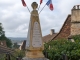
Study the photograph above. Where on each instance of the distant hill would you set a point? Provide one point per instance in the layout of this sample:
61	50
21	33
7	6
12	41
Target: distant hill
17	39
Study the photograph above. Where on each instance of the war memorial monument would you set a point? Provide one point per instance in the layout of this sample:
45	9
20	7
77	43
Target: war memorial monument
34	43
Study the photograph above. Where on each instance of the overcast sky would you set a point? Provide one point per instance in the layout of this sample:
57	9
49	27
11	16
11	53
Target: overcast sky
15	18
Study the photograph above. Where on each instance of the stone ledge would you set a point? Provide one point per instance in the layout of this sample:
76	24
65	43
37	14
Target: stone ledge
25	58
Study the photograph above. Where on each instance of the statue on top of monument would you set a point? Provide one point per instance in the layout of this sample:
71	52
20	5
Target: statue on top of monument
34	5
34	13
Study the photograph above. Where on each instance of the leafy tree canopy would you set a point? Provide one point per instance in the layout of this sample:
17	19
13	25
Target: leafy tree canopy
3	37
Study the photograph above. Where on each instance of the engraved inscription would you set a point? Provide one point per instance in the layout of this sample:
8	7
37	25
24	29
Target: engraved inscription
36	40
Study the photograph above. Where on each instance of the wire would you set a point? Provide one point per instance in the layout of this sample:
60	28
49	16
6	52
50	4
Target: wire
42	8
28	9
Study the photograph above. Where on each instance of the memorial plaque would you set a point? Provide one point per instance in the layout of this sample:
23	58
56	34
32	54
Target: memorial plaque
36	39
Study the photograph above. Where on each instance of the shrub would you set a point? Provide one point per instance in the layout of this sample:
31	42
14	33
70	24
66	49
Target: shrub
57	48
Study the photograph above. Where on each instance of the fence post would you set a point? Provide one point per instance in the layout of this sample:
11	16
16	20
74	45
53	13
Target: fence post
65	57
7	56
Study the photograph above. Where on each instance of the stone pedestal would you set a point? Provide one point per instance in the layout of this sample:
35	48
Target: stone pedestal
34	54
25	58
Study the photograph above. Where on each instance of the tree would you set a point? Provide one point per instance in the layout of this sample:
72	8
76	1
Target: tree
3	37
1	29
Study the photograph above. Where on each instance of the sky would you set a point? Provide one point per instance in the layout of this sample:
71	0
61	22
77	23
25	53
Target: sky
15	18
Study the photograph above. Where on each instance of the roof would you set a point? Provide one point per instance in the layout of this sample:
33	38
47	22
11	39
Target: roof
65	30
48	37
4	49
63	33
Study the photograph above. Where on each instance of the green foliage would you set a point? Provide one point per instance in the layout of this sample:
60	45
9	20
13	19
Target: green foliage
8	41
4	38
1	29
18	53
76	38
15	46
2	57
56	49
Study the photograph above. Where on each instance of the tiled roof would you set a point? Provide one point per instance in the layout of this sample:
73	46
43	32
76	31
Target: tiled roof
48	37
63	33
4	49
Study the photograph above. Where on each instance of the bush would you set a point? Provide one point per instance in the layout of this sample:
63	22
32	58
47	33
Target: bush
57	48
18	53
8	41
13	56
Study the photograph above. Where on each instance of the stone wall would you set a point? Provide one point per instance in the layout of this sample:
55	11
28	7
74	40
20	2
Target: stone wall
75	20
75	14
22	47
75	28
3	43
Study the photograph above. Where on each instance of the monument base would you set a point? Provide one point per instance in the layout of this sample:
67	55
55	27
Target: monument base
25	58
34	54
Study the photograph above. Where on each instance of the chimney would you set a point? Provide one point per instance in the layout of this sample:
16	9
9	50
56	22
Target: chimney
75	20
52	32
76	7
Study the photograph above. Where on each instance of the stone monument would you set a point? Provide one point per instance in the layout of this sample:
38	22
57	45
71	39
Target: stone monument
34	43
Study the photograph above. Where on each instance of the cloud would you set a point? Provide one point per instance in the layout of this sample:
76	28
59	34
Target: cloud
15	18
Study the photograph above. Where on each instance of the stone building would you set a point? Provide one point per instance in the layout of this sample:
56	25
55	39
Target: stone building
70	27
4	48
3	43
23	45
